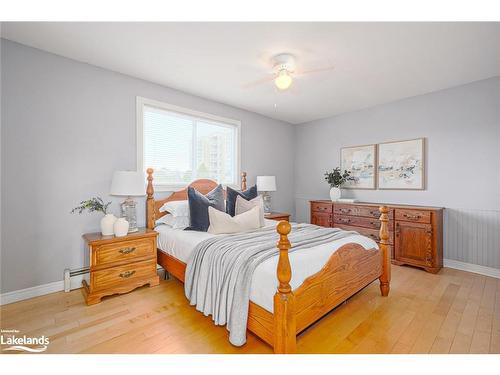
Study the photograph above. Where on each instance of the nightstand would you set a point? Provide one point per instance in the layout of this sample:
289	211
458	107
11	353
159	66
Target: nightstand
119	264
278	216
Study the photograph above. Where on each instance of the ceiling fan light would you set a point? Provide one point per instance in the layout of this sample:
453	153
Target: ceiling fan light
283	80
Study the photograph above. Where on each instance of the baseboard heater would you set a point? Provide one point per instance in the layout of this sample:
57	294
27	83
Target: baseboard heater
68	274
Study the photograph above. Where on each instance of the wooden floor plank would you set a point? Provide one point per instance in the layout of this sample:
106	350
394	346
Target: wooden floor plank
453	311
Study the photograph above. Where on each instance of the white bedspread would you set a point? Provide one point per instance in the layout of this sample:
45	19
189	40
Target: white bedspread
305	263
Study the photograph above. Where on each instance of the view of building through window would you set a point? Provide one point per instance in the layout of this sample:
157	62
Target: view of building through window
182	148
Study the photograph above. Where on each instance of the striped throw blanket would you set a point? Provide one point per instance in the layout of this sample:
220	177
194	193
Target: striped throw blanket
220	269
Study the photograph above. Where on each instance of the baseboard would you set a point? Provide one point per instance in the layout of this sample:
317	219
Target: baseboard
76	282
40	290
474	268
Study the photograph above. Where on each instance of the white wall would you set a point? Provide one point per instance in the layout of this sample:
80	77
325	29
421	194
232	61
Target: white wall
66	126
462	128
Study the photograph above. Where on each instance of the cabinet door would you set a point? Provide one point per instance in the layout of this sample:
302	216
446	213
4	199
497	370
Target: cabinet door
321	219
413	244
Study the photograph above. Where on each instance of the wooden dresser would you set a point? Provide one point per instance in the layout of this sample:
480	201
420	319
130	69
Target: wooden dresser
415	232
119	264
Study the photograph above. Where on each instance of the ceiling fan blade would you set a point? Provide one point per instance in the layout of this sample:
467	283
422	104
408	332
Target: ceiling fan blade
318	70
258	82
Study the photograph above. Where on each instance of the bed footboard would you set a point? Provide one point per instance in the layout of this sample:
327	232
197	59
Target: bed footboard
349	269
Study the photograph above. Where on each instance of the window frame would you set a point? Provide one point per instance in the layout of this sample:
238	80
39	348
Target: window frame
219	120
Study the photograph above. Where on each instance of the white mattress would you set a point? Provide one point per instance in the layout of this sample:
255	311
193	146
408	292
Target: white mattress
305	262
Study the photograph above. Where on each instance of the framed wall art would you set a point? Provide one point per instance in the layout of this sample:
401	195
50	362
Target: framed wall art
401	165
360	161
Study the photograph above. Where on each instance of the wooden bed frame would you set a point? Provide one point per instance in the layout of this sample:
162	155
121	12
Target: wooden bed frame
348	270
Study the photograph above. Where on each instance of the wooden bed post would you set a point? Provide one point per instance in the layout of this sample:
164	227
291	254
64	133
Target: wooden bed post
150	202
385	278
243	180
284	301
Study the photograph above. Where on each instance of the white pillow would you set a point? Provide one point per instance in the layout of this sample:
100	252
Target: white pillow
242	205
176	222
222	223
176	208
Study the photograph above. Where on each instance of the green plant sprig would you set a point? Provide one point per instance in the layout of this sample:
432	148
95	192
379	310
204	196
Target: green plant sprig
336	179
92	204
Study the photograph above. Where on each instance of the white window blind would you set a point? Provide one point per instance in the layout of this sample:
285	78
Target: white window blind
182	147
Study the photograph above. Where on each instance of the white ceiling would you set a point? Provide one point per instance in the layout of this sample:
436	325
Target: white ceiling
374	62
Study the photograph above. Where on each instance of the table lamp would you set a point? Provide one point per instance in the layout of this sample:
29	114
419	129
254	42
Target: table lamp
128	184
266	184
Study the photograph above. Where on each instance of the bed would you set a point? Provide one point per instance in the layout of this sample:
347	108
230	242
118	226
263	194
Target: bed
277	315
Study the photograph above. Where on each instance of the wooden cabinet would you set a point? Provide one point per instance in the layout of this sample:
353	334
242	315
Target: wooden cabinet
119	264
413	242
419	238
415	233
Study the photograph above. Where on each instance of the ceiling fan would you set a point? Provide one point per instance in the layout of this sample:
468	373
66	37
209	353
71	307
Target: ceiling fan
284	71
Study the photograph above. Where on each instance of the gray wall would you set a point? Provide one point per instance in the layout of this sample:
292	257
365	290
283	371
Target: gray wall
462	127
66	127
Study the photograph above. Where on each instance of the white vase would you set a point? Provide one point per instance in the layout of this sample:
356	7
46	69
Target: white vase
335	193
107	223
121	227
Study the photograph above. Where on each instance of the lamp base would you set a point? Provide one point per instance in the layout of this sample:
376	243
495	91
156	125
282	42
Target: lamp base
128	212
266	197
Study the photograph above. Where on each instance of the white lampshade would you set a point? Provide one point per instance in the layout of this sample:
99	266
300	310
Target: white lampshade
266	183
128	183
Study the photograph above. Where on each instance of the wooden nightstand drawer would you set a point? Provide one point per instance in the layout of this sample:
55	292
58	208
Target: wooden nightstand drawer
122	275
126	251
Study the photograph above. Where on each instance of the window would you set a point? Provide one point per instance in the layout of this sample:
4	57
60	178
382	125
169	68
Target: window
182	145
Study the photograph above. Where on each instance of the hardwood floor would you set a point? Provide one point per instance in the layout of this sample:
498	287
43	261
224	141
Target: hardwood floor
451	312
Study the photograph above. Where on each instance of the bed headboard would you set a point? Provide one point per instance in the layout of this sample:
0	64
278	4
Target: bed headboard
153	206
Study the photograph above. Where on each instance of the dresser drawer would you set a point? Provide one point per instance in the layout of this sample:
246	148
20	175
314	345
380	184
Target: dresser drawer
370	233
364	211
118	252
416	216
121	275
321	219
321	207
365	222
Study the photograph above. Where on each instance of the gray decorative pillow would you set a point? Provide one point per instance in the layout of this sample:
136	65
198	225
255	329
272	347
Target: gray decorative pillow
198	207
248	194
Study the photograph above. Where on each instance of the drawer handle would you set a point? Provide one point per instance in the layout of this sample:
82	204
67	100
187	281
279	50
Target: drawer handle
344	220
345	210
412	217
375	213
127	250
127	274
